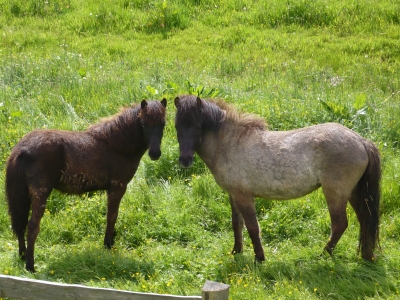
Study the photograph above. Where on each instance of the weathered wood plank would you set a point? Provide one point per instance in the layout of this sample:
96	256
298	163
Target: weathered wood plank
215	291
25	288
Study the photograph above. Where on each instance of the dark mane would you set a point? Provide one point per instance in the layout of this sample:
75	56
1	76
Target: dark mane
123	126
122	116
115	127
213	116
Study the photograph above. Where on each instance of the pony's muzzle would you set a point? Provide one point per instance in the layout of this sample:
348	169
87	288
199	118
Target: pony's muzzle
154	154
186	161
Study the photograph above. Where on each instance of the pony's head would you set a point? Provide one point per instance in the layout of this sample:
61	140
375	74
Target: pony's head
152	118
194	116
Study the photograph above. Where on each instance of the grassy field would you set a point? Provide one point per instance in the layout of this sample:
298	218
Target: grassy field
66	63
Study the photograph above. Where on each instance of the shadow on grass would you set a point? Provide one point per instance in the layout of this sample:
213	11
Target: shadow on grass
80	266
327	278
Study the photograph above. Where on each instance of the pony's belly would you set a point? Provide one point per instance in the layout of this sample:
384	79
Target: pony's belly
278	192
270	188
77	190
79	183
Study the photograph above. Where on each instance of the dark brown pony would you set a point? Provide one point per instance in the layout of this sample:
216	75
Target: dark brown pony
104	157
248	161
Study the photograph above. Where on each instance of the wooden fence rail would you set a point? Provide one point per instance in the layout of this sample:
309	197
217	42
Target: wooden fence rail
25	288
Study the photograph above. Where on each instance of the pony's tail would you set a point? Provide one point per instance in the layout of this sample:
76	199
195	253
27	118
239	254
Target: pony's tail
369	198
17	195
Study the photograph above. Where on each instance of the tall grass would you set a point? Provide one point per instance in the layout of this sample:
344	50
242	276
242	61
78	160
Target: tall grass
64	64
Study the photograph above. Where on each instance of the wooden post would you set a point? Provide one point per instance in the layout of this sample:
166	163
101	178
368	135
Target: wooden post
215	291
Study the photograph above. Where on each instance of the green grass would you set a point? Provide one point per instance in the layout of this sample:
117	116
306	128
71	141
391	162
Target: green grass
64	64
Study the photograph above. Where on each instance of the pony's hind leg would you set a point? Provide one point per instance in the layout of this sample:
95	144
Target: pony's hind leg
19	223
246	206
38	197
114	196
21	228
237	225
21	245
339	222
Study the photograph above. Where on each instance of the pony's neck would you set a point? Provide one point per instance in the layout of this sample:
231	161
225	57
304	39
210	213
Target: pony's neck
123	132
231	129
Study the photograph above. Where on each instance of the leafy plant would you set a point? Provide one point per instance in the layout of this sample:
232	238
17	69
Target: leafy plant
202	91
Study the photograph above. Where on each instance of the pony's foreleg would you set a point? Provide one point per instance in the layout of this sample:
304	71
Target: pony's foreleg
339	223
246	206
237	225
39	197
114	196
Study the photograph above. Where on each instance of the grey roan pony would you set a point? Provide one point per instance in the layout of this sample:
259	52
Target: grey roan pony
104	157
248	161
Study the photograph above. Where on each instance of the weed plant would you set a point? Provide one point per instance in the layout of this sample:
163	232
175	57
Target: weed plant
65	63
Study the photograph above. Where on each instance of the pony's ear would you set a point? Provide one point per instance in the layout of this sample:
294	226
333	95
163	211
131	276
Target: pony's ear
164	102
177	100
143	104
199	104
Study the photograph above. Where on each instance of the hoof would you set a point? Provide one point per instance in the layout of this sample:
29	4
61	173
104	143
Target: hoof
21	253
234	251
328	251
370	259
325	254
